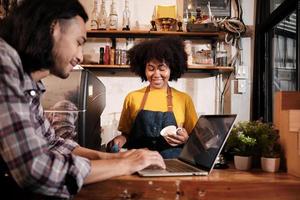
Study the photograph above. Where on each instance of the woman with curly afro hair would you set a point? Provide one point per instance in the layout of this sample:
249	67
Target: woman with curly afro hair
150	109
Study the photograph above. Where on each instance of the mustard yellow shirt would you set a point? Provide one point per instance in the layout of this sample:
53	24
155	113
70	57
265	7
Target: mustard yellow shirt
183	107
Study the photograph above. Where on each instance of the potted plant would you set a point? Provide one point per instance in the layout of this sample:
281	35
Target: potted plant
241	145
265	147
270	150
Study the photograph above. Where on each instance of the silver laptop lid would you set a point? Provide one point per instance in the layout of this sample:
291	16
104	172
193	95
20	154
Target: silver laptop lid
207	140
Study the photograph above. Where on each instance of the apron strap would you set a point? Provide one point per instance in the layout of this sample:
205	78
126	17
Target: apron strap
169	99
145	98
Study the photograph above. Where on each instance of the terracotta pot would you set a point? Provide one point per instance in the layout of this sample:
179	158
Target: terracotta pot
242	162
270	164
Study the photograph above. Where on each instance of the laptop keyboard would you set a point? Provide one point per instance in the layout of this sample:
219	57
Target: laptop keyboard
175	166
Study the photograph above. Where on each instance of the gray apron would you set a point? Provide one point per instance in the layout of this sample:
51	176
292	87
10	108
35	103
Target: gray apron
145	132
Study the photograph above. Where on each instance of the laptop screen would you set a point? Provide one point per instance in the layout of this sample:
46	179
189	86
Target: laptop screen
206	140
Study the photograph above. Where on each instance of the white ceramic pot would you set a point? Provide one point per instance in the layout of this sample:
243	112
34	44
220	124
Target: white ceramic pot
270	164
242	162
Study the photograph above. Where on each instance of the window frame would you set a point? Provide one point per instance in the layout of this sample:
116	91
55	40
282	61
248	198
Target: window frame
262	94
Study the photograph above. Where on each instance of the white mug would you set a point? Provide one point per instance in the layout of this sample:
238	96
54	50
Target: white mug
169	130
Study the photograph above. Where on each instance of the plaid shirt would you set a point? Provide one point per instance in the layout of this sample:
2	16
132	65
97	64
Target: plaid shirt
63	117
32	154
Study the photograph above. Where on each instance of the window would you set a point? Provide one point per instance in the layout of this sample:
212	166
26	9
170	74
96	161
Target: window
284	57
274	4
276	57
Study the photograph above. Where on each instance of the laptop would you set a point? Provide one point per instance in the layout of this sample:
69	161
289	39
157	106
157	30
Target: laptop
200	152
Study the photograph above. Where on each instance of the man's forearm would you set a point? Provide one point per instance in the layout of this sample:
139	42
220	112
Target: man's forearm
105	169
90	154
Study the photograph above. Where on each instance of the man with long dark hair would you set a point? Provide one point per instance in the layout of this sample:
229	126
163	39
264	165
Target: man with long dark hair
37	39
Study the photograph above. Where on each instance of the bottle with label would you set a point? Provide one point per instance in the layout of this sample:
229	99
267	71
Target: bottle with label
95	15
102	20
106	55
101	58
185	20
112	56
113	17
123	57
118	56
126	17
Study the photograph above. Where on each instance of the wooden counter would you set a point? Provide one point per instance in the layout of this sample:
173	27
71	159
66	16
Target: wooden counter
220	184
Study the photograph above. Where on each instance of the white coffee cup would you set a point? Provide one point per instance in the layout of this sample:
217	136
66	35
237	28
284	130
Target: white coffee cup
169	130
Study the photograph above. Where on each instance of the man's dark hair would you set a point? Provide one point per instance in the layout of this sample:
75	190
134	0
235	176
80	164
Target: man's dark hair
170	50
28	29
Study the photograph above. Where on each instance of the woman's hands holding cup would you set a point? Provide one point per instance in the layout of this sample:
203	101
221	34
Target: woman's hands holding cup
174	136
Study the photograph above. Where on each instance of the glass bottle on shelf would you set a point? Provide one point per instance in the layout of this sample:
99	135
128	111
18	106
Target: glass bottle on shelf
113	17
179	24
102	17
185	20
107	55
112	56
95	15
217	55
153	23
126	17
101	58
221	55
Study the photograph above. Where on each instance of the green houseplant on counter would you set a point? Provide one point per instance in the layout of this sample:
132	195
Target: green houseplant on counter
270	150
256	139
241	144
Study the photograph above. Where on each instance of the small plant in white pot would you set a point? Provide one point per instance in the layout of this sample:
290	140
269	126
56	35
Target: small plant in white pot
241	146
270	150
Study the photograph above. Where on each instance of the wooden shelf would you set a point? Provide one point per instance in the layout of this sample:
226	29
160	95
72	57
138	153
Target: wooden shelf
150	34
113	34
191	68
98	66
